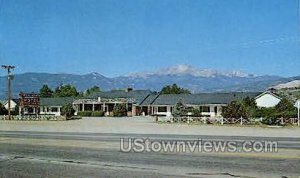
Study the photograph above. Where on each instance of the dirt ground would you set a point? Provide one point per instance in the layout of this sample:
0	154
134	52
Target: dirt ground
143	125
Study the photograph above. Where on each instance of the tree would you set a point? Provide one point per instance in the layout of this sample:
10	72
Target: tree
265	112
180	109
250	106
91	90
68	110
16	111
65	91
235	110
3	111
120	110
174	89
249	102
285	109
284	105
45	91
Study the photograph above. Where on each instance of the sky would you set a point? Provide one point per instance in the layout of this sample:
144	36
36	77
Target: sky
117	37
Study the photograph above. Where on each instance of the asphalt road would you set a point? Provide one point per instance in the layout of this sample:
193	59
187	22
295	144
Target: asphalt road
41	154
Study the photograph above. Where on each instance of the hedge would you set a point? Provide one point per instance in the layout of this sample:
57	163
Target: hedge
85	113
97	114
91	114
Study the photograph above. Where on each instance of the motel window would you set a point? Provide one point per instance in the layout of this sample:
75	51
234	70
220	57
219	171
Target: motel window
162	109
204	109
129	107
216	109
55	109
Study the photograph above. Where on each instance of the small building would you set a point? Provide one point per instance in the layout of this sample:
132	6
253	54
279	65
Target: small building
13	104
33	104
267	99
53	106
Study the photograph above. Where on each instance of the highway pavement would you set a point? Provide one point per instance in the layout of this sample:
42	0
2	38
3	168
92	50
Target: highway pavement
58	154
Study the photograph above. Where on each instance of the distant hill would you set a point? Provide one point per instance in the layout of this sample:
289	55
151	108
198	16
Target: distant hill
288	85
197	80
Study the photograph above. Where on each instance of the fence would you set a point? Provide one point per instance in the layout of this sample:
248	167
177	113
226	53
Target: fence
35	118
222	121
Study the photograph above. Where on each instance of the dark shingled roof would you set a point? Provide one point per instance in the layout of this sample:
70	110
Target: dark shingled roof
149	99
17	101
137	95
202	98
56	101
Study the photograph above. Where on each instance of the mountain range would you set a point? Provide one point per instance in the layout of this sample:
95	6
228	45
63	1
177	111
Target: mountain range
195	79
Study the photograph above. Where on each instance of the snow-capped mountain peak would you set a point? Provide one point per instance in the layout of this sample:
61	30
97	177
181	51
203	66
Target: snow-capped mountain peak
183	69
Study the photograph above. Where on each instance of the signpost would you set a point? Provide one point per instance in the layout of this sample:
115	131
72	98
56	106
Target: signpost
298	108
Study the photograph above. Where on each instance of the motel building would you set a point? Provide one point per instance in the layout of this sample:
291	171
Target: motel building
33	104
141	102
106	101
210	104
104	104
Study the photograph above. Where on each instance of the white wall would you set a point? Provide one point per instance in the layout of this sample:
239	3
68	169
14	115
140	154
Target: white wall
211	113
48	111
167	113
267	100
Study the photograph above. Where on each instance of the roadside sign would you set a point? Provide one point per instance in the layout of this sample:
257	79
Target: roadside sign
29	99
297	104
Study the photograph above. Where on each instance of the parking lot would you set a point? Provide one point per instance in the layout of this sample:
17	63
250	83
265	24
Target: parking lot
144	125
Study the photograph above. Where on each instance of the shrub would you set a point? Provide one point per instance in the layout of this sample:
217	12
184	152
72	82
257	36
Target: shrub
284	105
3	111
16	111
235	110
74	118
271	121
120	110
180	109
67	110
196	112
97	114
85	113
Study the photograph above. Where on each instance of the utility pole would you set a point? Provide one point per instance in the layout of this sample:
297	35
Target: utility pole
298	108
9	78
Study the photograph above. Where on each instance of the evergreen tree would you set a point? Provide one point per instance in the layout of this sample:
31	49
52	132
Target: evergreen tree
120	110
94	89
180	109
174	89
3	111
235	110
45	91
65	91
